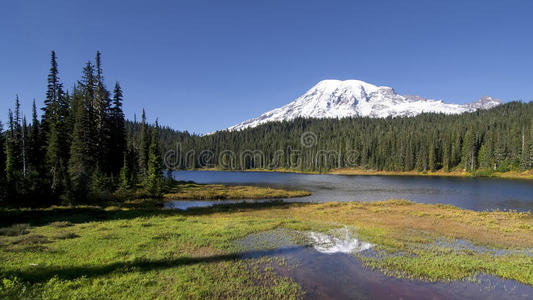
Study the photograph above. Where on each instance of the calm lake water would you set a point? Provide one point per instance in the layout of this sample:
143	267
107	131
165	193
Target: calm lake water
337	275
470	193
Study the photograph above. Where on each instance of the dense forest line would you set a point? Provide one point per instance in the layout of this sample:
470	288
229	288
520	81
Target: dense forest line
499	139
81	149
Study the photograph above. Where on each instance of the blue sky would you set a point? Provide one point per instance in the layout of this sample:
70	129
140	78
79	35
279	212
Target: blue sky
205	65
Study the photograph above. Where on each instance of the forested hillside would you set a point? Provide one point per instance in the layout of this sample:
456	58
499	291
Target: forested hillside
499	139
79	150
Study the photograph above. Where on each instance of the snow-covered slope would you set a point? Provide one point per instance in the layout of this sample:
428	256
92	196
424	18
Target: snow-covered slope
351	98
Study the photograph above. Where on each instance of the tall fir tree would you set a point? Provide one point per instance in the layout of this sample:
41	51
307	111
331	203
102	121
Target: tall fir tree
101	108
87	86
432	157
15	154
154	180
84	94
12	162
144	145
17	137
24	147
81	161
118	132
55	125
468	151
132	156
53	93
484	157
3	185
500	154
35	157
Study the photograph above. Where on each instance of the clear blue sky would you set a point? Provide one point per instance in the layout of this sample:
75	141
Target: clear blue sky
205	65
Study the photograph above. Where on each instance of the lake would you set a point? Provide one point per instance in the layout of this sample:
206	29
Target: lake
469	193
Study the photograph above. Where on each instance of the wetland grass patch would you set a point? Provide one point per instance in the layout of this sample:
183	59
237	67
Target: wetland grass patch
194	191
150	252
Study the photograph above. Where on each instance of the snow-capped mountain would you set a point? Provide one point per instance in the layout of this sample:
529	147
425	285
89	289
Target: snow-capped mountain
351	98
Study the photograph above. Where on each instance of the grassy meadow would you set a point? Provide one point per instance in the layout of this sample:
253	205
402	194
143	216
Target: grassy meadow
138	250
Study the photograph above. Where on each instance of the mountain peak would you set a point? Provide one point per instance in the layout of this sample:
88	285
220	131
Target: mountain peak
351	98
355	86
487	102
345	83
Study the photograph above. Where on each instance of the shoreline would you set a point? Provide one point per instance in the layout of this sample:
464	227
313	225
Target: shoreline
525	175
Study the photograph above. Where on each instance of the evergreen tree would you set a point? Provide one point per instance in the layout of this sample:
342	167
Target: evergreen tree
54	124
101	185
24	147
432	158
144	145
118	133
35	157
500	155
17	137
84	95
446	156
101	108
468	151
81	160
154	181
15	160
484	157
87	86
53	94
125	174
3	185
37	186
11	168
524	151
132	157
455	155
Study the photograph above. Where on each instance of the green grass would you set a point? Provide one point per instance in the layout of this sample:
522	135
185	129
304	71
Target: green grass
137	250
194	191
136	254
